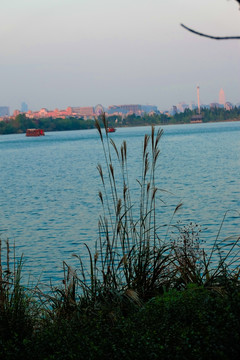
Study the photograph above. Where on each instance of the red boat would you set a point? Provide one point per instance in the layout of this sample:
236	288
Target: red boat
111	130
35	132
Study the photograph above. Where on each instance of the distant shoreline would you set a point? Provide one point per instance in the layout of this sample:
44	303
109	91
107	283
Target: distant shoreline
21	123
180	123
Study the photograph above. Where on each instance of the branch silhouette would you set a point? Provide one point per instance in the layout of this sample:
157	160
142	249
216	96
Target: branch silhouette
210	36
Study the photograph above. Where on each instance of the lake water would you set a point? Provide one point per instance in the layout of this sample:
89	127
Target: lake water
49	187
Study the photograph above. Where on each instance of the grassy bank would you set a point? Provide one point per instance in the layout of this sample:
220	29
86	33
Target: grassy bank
193	323
139	296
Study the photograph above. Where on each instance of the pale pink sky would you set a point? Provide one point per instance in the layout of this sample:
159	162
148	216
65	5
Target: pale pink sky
59	53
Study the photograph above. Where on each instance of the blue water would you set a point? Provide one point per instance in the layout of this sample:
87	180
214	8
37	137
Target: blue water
49	187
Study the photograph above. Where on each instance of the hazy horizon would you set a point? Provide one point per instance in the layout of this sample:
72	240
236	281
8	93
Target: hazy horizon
60	53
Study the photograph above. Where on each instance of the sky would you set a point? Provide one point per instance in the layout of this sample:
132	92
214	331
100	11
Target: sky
60	53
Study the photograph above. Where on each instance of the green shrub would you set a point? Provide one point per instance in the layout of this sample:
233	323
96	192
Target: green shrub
193	324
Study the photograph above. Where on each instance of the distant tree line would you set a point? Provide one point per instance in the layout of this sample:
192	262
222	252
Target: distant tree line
21	123
208	115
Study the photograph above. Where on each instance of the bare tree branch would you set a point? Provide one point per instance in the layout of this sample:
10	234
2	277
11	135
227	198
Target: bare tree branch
210	36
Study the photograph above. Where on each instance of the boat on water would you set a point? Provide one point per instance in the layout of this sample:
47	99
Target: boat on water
111	130
35	132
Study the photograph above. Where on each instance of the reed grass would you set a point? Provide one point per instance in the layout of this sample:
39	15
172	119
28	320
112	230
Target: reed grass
130	256
212	269
18	310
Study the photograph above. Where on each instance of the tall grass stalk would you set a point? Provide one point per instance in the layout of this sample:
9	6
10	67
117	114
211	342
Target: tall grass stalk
129	257
17	308
210	269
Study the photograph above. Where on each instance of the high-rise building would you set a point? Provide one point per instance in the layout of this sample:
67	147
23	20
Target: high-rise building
173	111
222	99
24	107
182	106
192	105
4	111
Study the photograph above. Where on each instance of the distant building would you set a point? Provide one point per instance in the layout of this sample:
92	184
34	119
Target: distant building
89	112
4	111
24	107
43	112
149	108
124	109
222	99
16	113
131	109
204	106
86	112
196	119
173	111
215	105
193	106
182	106
167	113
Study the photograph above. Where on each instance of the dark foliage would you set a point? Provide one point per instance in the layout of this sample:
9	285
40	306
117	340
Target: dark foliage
193	324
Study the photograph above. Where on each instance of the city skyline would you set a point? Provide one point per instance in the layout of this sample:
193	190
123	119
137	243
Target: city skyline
89	112
181	105
61	52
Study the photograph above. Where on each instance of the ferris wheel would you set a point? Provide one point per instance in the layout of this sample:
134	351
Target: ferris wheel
98	109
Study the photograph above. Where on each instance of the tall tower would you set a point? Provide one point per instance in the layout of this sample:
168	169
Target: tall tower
198	99
222	99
